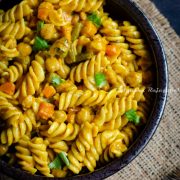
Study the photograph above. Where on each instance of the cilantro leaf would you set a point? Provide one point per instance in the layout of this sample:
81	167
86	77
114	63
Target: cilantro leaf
40	25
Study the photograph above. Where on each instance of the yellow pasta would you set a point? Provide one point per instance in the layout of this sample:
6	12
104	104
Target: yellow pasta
24	155
88	97
17	12
13	134
10	113
80	5
40	156
14	72
8	48
73	86
16	30
31	82
86	71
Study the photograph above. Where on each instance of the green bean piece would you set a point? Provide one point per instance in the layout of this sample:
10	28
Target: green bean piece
56	164
83	57
63	157
76	31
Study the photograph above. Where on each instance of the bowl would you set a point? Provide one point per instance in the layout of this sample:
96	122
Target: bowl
127	10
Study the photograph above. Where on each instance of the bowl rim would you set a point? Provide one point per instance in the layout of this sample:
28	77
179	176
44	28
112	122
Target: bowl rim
156	115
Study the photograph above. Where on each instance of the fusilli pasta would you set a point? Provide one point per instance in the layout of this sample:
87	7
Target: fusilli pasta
73	86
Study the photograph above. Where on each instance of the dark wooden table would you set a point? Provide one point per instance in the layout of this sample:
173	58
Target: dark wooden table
171	10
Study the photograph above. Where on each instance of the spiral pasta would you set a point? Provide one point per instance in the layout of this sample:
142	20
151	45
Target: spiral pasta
10	113
14	72
17	30
100	143
32	80
79	148
111	30
13	134
80	5
61	131
40	155
73	86
86	71
8	48
24	155
90	98
16	13
134	37
120	145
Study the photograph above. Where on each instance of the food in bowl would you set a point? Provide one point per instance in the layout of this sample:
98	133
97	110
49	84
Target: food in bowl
72	86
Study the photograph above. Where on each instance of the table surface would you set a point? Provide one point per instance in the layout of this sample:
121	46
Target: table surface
171	10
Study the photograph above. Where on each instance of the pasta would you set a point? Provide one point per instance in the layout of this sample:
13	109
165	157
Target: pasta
73	86
17	12
13	73
16	30
24	155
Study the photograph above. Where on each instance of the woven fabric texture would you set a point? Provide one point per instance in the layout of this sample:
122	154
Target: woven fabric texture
162	154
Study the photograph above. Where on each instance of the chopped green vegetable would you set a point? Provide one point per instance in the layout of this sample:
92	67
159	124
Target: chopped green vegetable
100	80
59	161
83	57
40	44
55	80
132	116
76	31
40	25
56	164
95	19
63	156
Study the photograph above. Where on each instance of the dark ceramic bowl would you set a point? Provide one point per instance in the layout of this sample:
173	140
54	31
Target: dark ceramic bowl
127	10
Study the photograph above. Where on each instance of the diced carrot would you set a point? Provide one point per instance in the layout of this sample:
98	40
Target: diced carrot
46	110
44	9
49	91
8	88
43	14
112	50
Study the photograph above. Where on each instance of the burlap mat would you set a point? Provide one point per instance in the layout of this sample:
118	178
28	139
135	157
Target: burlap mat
162	154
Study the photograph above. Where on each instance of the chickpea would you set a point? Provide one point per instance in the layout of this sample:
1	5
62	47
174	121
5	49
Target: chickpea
84	115
98	44
134	79
48	31
52	64
89	29
24	49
